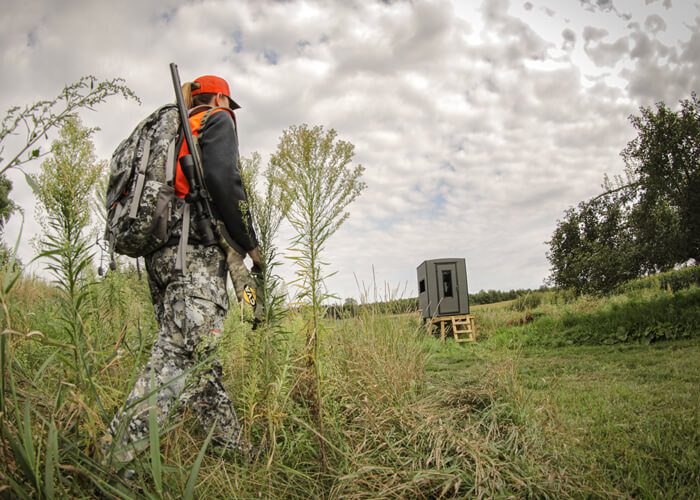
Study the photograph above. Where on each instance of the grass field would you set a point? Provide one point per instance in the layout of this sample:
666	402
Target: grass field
623	419
561	397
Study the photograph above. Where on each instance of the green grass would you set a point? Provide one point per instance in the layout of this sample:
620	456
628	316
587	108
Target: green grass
628	415
527	411
624	418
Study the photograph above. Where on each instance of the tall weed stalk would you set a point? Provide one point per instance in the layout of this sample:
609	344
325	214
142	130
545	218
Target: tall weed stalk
64	188
312	169
268	350
35	451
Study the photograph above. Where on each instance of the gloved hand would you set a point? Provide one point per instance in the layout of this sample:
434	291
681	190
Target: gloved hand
258	266
257	270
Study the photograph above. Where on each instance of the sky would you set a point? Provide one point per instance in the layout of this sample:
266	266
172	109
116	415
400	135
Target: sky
478	123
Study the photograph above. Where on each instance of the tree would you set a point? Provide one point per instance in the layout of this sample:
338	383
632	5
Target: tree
665	156
593	248
317	184
647	223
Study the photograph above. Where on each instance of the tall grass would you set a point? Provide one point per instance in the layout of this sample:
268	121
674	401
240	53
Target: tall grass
647	314
389	431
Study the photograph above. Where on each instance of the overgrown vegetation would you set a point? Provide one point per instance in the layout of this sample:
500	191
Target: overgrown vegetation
316	184
37	120
405	416
670	280
648	311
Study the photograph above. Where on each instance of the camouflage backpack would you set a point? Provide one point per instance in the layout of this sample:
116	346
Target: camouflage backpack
140	193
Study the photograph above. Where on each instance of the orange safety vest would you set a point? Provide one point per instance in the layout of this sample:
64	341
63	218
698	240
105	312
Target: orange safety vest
197	122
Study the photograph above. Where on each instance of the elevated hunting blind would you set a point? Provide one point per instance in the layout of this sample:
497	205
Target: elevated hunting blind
443	297
442	288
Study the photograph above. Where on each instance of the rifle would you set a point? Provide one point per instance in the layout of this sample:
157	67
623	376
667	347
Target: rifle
210	229
191	165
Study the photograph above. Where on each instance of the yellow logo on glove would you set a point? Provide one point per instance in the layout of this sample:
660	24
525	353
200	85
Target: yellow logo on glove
249	295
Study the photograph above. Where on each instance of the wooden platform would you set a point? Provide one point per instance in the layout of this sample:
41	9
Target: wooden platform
462	327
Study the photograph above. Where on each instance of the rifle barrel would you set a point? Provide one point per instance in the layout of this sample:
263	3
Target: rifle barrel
184	117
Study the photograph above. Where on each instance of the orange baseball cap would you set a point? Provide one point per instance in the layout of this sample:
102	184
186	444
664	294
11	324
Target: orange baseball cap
210	84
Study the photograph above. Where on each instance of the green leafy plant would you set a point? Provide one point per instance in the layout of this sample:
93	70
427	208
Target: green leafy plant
312	168
38	119
268	350
63	189
673	281
642	224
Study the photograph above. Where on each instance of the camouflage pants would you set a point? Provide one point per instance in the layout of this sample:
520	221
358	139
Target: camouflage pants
190	308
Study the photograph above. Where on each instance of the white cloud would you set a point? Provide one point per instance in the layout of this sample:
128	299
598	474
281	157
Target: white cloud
475	128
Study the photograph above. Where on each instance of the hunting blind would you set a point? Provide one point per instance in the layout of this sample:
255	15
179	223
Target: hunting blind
443	297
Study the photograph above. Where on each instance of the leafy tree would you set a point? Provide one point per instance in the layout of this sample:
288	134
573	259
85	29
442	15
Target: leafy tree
593	249
311	166
658	235
645	224
665	156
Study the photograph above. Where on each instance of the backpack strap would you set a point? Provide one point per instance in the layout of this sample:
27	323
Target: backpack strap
140	180
170	161
181	253
211	111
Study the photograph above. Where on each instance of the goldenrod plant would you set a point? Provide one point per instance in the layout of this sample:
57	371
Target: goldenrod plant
63	189
267	349
312	167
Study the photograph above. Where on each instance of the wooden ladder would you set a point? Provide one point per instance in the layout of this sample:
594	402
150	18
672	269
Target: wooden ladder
463	327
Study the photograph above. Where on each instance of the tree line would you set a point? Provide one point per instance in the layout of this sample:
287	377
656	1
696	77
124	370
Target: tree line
647	220
406	305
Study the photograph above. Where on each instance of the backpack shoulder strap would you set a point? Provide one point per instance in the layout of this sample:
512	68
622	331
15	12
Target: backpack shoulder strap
211	111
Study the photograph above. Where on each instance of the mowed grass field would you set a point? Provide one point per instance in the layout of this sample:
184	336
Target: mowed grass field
623	418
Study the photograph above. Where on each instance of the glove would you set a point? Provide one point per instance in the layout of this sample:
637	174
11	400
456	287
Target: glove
257	271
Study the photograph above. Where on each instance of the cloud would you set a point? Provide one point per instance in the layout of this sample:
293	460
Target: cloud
691	49
569	37
608	54
655	23
604	6
660	72
476	130
593	34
